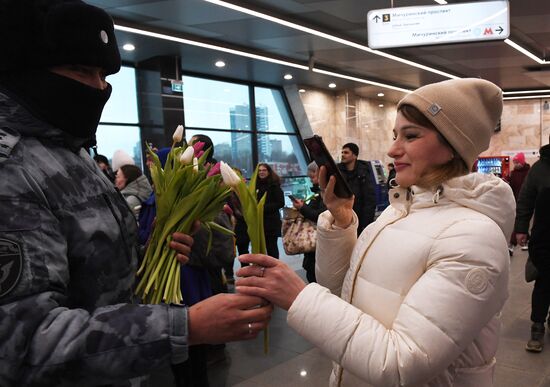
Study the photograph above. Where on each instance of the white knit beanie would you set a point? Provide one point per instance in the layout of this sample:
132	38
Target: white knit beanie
121	158
465	112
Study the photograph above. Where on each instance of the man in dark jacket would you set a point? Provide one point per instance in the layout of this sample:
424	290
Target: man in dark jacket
67	238
536	182
359	177
537	179
539	252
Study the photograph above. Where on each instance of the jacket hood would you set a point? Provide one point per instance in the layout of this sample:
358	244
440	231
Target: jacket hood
486	194
139	188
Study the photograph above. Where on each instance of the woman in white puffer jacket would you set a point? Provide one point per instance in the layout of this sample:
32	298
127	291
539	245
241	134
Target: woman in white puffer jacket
415	300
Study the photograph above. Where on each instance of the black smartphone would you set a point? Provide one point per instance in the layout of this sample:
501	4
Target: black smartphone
292	197
320	154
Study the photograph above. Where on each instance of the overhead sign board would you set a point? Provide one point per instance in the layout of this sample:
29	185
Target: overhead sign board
438	24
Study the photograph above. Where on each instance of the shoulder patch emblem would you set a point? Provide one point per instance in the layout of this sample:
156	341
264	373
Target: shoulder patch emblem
477	281
11	265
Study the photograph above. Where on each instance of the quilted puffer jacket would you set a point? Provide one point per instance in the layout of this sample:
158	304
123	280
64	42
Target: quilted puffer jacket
415	301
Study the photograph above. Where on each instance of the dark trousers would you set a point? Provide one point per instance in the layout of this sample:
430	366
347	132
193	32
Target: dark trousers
309	266
193	372
242	246
271	246
540	299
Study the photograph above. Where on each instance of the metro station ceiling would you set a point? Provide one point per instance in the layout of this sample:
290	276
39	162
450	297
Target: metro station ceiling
207	22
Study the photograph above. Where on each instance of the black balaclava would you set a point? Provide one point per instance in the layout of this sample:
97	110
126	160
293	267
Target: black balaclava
69	105
36	35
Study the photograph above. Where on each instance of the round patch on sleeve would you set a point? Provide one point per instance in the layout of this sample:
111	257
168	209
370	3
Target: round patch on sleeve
11	265
476	281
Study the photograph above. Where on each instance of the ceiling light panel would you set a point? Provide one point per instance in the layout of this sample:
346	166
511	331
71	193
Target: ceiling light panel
328	36
209	46
344	76
526	92
250	55
527	97
524	51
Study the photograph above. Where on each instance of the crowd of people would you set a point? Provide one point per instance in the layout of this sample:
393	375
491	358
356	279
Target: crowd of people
411	298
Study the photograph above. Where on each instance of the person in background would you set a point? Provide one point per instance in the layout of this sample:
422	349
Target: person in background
201	278
103	164
539	252
195	283
67	241
120	158
416	299
223	258
269	183
358	175
311	211
134	186
536	181
517	177
391	175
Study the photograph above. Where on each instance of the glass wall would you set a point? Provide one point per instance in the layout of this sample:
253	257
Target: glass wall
235	148
244	136
247	124
119	127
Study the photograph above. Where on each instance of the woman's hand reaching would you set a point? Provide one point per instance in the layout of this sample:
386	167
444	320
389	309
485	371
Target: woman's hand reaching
269	278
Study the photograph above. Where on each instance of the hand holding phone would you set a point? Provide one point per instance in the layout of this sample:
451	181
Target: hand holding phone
320	154
292	197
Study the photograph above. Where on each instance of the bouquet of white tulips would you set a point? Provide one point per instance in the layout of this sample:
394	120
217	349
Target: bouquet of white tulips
185	191
253	214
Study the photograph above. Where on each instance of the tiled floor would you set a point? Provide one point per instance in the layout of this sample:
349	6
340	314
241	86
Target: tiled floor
292	361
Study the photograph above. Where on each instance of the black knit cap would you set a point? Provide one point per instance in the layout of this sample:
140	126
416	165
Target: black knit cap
44	33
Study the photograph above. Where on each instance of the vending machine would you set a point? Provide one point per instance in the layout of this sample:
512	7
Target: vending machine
380	189
497	165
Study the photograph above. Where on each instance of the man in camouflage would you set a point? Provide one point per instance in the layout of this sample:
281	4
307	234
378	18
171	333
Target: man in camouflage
67	239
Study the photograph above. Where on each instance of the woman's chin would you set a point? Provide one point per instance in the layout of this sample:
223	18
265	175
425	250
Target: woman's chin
403	182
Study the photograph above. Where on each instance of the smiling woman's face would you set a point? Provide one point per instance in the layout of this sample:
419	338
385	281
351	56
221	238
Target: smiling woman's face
417	150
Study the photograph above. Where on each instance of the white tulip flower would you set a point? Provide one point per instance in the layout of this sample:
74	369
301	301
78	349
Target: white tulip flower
229	176
186	157
178	134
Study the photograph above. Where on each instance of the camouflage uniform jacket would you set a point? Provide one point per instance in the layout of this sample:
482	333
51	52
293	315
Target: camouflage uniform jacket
67	265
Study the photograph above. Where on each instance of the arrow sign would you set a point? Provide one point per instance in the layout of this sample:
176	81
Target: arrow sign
438	24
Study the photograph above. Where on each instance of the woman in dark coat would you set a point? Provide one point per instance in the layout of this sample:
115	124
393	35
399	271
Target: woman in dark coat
311	211
268	181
